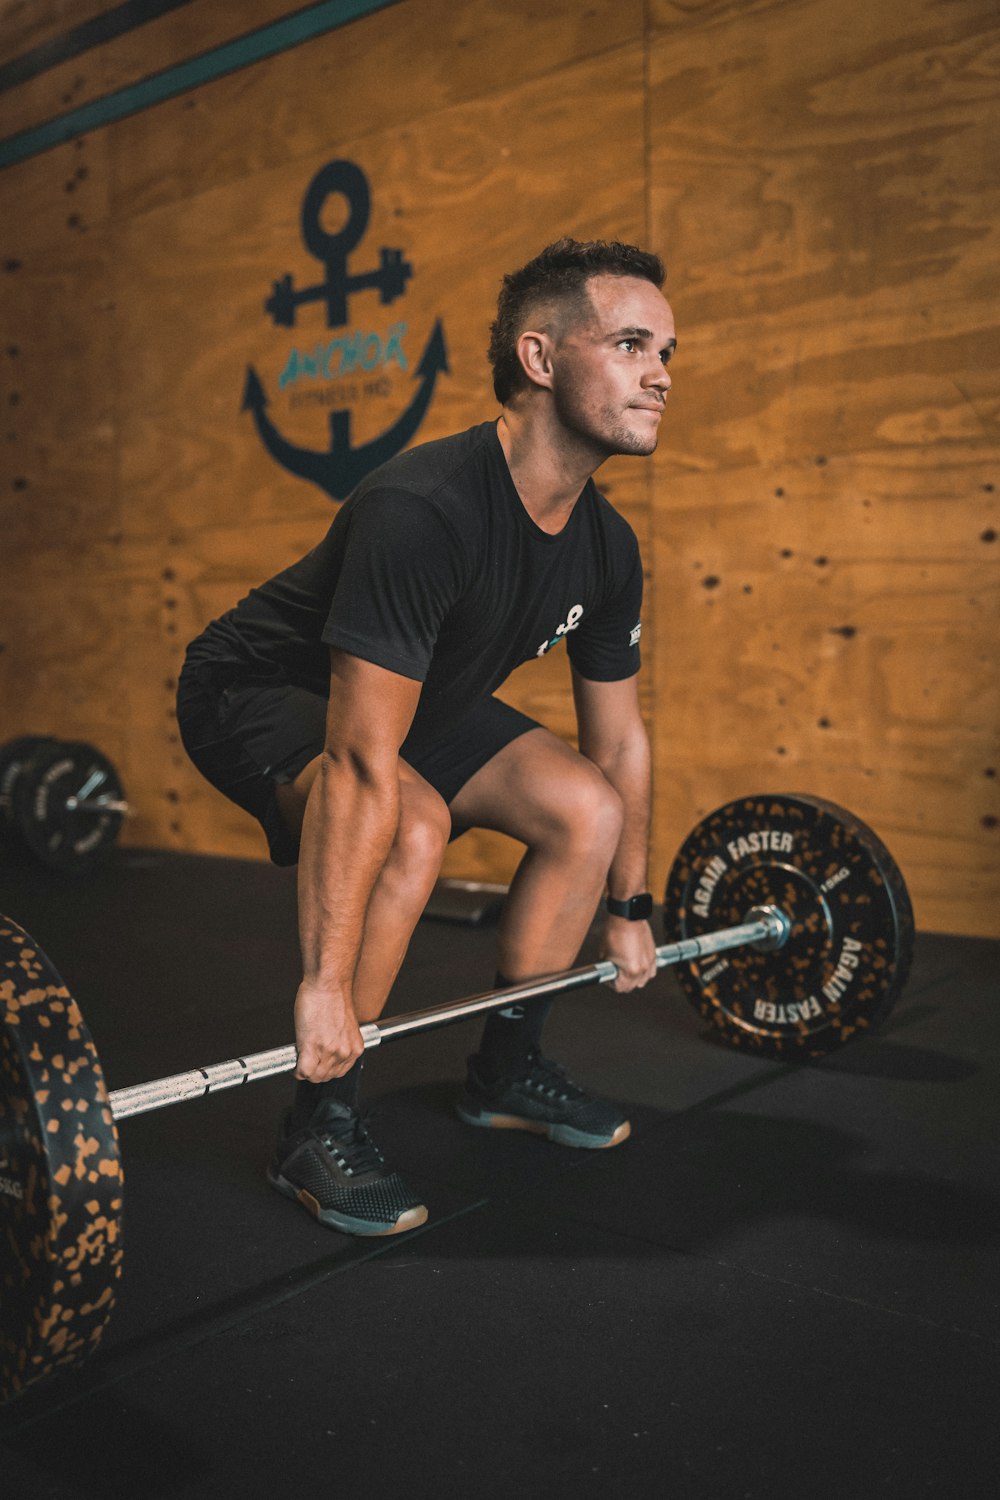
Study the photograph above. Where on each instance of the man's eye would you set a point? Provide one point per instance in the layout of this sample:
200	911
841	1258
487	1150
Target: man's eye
628	344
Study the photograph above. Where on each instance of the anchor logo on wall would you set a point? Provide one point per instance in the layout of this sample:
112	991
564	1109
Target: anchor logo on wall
339	469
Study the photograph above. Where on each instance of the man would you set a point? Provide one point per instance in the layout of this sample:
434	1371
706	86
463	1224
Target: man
347	704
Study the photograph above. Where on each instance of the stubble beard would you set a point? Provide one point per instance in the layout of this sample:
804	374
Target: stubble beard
628	441
606	433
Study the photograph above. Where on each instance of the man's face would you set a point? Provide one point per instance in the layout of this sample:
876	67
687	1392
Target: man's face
610	378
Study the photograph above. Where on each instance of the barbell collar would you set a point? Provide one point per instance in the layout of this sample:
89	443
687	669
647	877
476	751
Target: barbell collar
769	925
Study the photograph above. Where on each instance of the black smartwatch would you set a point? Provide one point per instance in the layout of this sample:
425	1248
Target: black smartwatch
635	909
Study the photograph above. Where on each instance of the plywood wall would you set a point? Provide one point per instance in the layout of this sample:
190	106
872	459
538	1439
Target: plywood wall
825	560
819	524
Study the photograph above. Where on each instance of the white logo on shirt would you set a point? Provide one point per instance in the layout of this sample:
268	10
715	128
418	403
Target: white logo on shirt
572	621
633	639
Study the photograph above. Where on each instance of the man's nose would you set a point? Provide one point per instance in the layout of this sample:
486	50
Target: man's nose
657	377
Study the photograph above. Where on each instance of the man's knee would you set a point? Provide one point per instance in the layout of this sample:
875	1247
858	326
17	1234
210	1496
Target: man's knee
603	812
423	833
587	814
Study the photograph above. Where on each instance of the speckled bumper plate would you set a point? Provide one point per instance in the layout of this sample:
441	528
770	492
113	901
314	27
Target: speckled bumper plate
60	1174
849	950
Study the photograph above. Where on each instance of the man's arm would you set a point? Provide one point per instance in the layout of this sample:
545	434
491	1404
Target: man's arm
613	736
350	823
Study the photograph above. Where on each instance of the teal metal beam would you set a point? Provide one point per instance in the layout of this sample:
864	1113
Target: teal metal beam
266	41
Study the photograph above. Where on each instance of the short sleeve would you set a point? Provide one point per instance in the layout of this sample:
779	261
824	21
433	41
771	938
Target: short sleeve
605	647
400	573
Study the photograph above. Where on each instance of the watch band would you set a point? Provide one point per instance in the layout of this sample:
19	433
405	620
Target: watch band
635	909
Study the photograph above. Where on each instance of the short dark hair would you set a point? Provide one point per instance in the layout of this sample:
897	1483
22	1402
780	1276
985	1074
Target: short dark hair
558	274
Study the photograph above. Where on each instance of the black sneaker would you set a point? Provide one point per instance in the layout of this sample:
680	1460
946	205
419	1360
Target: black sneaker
541	1098
335	1170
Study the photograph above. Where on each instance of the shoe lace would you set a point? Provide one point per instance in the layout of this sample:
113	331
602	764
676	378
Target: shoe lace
550	1078
350	1143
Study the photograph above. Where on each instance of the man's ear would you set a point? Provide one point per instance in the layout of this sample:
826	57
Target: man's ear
534	350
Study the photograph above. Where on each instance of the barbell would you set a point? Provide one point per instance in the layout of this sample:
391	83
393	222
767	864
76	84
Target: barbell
814	947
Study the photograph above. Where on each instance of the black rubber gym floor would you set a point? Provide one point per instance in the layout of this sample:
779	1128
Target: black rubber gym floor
786	1284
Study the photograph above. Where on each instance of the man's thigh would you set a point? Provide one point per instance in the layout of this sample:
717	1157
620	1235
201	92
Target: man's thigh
451	763
247	736
531	787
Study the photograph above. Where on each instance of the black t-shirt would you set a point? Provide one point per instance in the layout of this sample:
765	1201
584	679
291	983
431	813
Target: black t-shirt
434	569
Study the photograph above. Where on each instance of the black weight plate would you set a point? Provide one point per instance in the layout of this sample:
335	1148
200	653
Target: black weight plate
14	756
72	840
60	1173
851	941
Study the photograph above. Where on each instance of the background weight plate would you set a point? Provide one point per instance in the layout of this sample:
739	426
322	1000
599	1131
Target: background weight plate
14	756
73	841
851	942
60	1173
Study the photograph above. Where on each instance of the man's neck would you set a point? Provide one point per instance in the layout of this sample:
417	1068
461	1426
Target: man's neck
548	475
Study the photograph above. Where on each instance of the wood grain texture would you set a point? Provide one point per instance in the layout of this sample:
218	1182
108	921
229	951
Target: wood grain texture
380	74
825	564
829	630
58	420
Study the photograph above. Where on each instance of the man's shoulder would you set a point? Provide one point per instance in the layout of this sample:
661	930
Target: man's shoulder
430	467
611	519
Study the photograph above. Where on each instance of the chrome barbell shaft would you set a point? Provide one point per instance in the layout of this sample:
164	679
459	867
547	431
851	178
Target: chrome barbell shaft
98	804
769	929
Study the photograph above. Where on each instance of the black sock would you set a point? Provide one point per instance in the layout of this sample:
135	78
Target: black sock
309	1096
511	1034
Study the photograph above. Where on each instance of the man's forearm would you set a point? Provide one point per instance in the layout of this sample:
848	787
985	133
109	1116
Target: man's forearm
628	770
627	767
350	823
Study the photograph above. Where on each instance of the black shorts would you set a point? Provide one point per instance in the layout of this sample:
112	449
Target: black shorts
247	735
